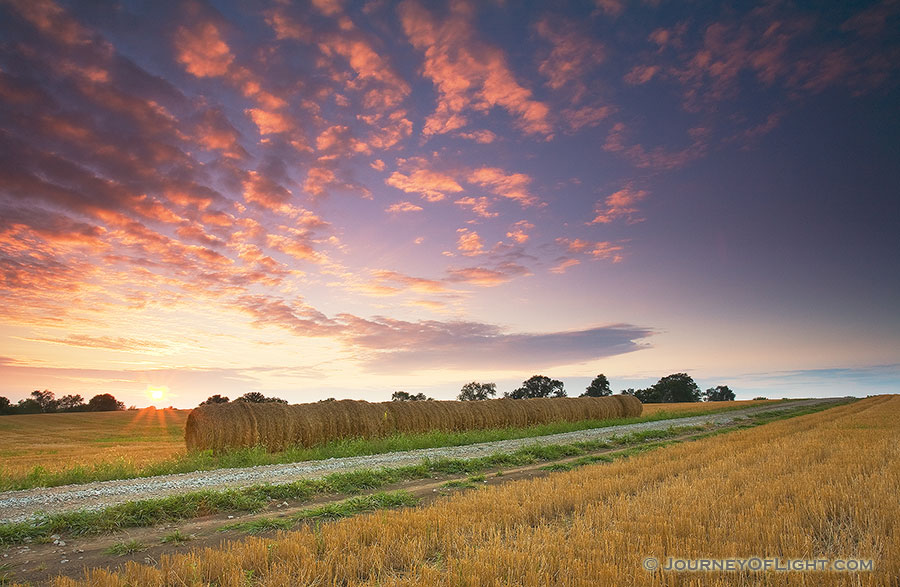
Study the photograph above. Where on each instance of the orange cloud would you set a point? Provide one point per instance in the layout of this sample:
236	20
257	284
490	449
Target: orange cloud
468	73
317	178
469	243
482	137
519	231
478	205
595	249
622	203
270	122
403	207
513	186
485	277
261	190
417	284
202	50
563	265
297	247
431	185
573	55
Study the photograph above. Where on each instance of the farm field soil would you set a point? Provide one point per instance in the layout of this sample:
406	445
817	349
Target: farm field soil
135	439
820	486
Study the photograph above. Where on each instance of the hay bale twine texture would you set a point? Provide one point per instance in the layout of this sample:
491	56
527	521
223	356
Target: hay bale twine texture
277	426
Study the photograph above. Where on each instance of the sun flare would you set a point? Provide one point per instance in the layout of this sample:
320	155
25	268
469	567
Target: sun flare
157	392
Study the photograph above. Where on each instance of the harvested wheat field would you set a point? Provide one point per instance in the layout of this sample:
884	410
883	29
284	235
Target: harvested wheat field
277	426
821	486
59	441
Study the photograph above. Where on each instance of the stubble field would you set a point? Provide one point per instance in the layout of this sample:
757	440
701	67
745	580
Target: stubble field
820	486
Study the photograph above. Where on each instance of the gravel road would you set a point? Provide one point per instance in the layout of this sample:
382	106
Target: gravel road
20	505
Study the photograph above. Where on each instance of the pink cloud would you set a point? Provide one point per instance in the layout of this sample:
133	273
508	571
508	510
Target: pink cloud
621	204
469	74
317	179
377	165
513	186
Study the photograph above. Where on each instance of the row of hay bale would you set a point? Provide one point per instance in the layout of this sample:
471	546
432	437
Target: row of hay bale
278	426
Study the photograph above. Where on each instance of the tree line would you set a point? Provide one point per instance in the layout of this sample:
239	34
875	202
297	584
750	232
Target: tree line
678	387
46	402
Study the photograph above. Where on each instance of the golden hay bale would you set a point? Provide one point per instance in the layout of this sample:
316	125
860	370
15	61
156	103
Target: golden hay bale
275	426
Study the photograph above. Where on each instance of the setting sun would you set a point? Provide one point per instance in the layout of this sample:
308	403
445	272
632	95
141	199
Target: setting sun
157	392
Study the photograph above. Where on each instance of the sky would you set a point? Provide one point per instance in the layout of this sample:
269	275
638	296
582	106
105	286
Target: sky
346	199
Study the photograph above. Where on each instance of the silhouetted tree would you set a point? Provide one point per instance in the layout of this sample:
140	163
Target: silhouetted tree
477	391
538	386
678	387
28	406
599	387
6	406
215	399
105	402
255	397
45	399
71	403
402	396
719	393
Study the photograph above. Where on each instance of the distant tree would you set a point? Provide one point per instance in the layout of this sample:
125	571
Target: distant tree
538	386
28	406
719	393
760	397
215	399
71	403
6	406
647	395
326	400
46	399
252	397
599	387
678	387
105	402
477	391
402	396
255	397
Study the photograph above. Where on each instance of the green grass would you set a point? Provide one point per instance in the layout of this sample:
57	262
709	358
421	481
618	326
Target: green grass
176	537
123	548
250	499
344	509
6	574
248	457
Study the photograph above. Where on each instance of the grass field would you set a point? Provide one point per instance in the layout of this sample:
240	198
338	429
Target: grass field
55	449
820	486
